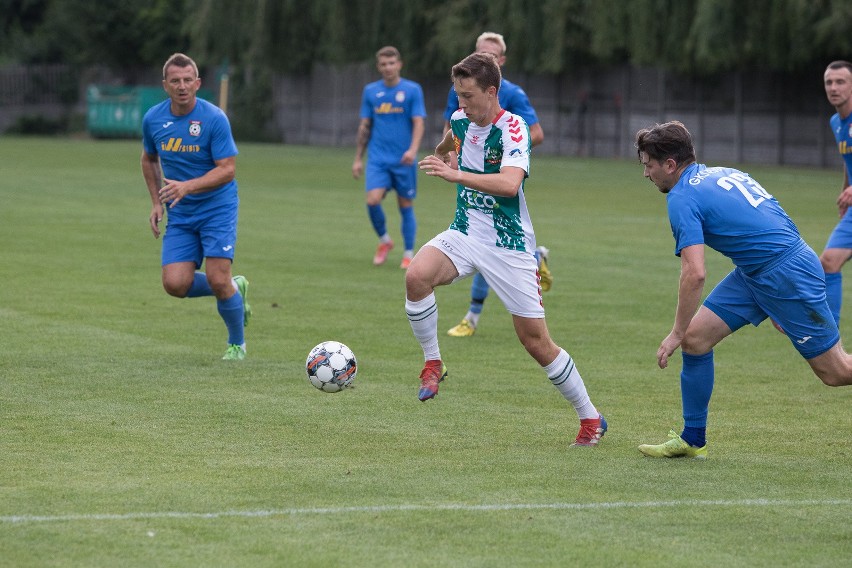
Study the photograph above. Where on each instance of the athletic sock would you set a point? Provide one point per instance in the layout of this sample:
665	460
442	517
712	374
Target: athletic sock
377	218
696	386
200	286
478	291
423	317
231	311
472	317
834	293
409	227
563	373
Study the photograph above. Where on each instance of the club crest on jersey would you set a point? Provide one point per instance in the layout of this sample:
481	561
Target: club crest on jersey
194	127
850	131
493	156
400	96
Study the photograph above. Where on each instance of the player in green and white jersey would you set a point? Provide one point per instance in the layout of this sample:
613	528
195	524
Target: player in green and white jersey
492	234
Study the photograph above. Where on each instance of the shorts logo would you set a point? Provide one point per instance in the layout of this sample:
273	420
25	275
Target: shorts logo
194	127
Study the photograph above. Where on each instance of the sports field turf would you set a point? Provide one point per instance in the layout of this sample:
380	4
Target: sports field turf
126	441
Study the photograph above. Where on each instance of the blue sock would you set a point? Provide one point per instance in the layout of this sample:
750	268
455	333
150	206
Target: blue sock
231	311
409	226
834	293
696	386
478	292
377	218
200	286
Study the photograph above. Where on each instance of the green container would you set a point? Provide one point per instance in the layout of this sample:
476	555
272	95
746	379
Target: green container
116	112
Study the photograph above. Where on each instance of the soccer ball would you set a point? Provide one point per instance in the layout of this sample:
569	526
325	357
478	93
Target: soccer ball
331	366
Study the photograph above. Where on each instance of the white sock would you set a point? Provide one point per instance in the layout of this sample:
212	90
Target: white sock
423	317
472	318
566	378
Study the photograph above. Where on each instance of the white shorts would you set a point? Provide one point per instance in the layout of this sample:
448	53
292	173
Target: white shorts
512	274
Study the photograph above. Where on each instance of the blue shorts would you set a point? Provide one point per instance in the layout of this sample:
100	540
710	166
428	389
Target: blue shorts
791	291
841	236
207	234
400	177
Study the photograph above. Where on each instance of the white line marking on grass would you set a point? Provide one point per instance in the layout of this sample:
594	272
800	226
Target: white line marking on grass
428	508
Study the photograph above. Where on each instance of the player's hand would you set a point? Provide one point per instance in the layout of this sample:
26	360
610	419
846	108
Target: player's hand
435	166
409	157
844	200
357	168
155	218
451	159
667	347
173	192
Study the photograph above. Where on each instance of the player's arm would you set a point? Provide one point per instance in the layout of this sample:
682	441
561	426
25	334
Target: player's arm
223	172
451	156
505	183
844	201
153	176
536	134
691	286
365	129
417	129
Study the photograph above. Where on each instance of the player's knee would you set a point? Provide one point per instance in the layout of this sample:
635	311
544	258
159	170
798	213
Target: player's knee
175	288
695	344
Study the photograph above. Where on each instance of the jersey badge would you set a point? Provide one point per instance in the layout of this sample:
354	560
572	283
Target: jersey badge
850	131
194	127
400	96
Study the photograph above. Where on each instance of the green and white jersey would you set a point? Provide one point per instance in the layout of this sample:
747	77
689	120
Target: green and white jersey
500	221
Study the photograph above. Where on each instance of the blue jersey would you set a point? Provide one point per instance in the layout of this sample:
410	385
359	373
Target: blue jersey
842	129
512	98
391	110
731	213
188	147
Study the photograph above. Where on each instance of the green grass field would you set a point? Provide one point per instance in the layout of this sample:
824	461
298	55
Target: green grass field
126	441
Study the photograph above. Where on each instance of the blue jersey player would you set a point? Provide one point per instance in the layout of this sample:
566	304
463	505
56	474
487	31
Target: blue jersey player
391	128
838	88
188	162
776	275
515	100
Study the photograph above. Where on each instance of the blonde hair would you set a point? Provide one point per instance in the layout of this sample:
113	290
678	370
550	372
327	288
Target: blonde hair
388	51
493	37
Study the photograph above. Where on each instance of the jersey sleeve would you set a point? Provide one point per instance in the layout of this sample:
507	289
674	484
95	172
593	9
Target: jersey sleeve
366	108
148	143
686	222
418	107
222	143
516	145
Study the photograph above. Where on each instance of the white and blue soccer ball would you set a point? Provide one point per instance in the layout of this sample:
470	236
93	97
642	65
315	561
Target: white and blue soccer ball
331	366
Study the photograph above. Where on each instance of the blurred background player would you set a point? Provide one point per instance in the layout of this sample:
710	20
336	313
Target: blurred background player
776	275
391	128
189	162
492	233
515	100
838	88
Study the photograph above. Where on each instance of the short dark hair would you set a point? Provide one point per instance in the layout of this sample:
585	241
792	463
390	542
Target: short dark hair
388	51
840	64
481	67
179	60
667	140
